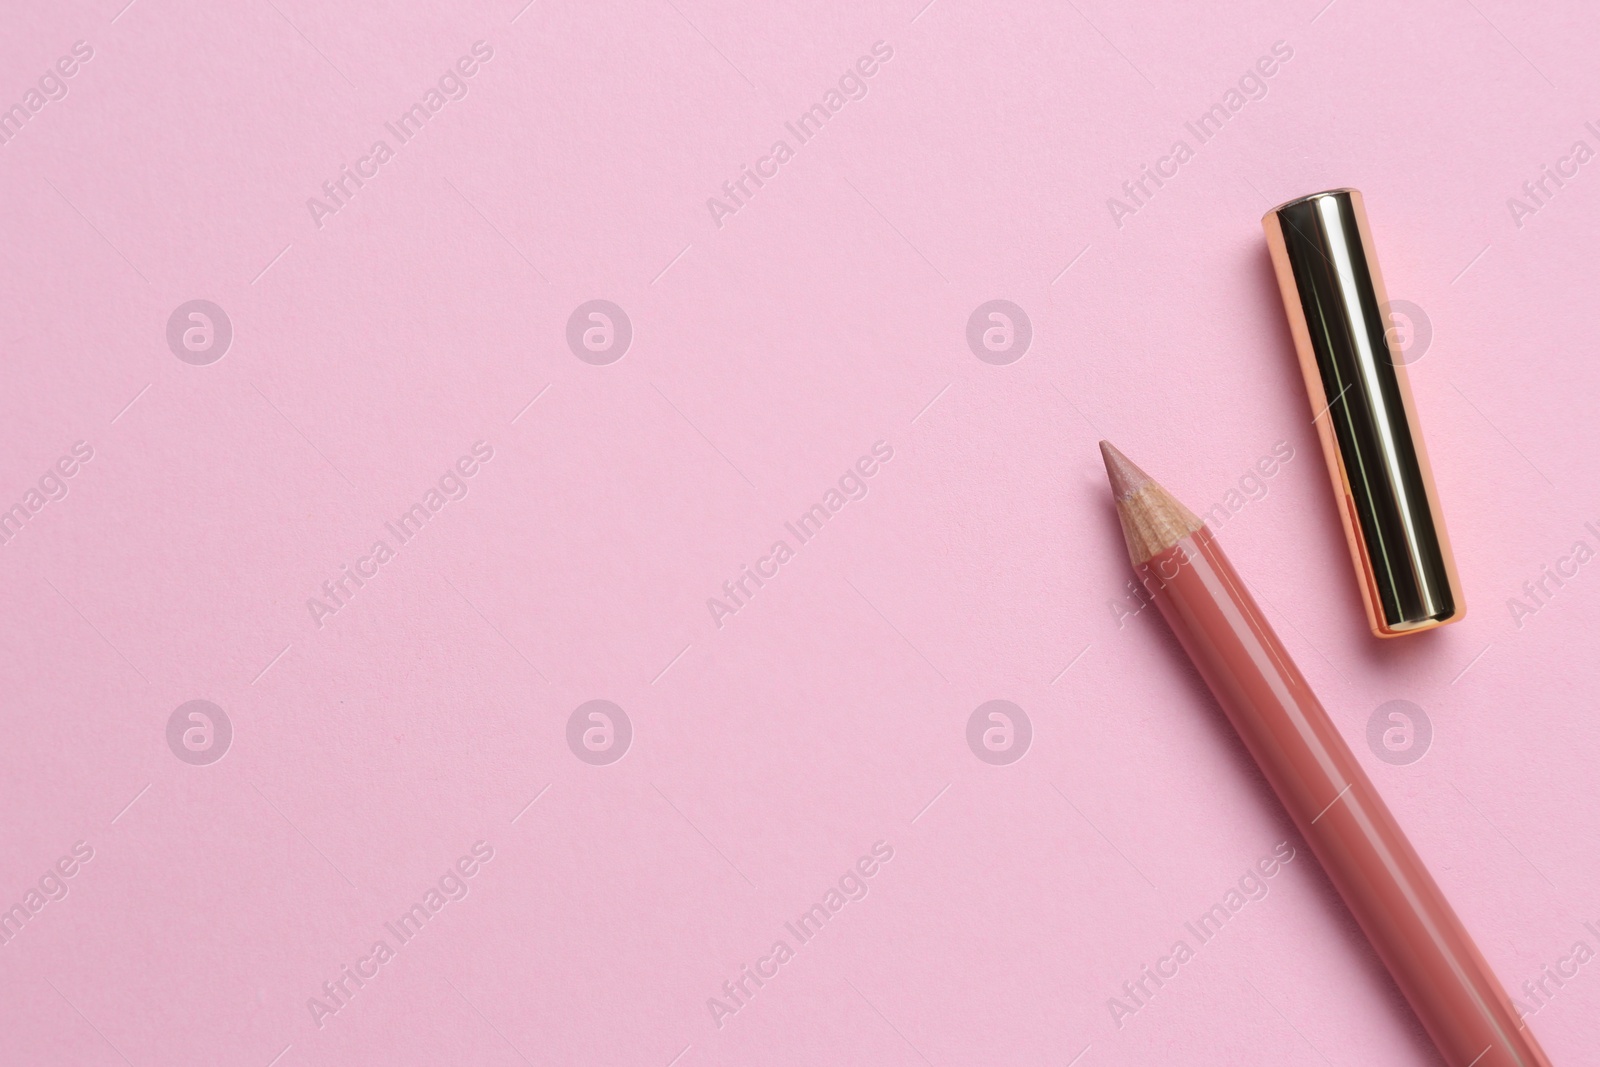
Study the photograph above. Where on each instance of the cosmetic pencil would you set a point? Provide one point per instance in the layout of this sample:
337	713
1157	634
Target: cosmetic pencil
1332	802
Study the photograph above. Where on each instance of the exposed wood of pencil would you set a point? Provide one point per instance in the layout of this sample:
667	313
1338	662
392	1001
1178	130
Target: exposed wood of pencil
1153	520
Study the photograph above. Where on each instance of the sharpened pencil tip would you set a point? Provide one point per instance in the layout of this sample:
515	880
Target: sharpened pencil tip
1125	477
1153	520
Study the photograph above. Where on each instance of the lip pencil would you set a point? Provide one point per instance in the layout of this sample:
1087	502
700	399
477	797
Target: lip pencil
1333	804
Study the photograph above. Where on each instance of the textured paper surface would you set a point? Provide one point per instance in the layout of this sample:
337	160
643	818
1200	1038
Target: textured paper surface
828	330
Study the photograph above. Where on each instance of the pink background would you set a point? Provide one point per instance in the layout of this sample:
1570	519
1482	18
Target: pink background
369	753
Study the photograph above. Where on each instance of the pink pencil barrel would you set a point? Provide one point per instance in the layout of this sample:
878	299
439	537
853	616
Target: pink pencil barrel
1337	810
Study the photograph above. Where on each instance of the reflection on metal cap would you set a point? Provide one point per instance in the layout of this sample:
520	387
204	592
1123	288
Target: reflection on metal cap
1333	292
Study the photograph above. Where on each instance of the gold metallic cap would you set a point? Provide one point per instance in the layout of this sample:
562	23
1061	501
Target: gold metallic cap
1339	314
